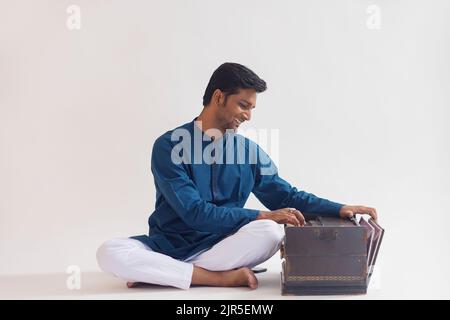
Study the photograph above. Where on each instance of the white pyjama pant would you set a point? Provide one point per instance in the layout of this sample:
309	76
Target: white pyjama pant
133	261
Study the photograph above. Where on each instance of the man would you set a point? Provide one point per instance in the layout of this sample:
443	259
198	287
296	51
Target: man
200	234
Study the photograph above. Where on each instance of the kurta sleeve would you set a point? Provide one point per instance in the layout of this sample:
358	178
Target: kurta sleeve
182	195
275	193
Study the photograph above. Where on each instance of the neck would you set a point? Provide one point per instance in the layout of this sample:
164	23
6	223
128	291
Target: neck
209	121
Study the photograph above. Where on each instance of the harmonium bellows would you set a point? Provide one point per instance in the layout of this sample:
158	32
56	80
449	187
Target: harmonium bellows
329	256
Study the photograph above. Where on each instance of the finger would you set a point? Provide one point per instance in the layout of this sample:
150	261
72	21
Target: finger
286	217
294	219
369	211
300	217
373	214
290	213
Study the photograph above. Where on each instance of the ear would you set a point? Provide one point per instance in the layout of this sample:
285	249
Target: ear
218	96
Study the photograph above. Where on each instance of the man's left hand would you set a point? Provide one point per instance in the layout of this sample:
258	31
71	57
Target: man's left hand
351	211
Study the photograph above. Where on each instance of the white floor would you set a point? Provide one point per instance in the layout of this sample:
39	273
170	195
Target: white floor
96	285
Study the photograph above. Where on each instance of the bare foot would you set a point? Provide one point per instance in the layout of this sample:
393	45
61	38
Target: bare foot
240	278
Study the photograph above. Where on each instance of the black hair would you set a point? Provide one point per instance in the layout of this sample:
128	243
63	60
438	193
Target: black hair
229	78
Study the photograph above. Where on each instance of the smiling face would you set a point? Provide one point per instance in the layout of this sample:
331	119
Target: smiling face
235	109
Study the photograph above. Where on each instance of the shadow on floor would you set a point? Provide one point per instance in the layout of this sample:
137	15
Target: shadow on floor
97	285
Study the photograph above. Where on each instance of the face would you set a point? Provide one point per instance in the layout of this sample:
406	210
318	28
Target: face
237	108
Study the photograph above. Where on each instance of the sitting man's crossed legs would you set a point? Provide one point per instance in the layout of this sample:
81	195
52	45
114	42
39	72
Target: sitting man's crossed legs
228	263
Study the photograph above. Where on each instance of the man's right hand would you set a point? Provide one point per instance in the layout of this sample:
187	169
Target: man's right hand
284	216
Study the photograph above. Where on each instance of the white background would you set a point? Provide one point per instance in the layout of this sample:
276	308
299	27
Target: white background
363	118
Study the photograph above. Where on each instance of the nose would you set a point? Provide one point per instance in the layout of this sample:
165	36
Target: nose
247	115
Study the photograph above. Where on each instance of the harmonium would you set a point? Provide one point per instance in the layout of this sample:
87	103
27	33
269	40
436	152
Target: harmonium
329	256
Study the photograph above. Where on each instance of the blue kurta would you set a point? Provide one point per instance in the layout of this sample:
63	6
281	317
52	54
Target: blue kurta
199	203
